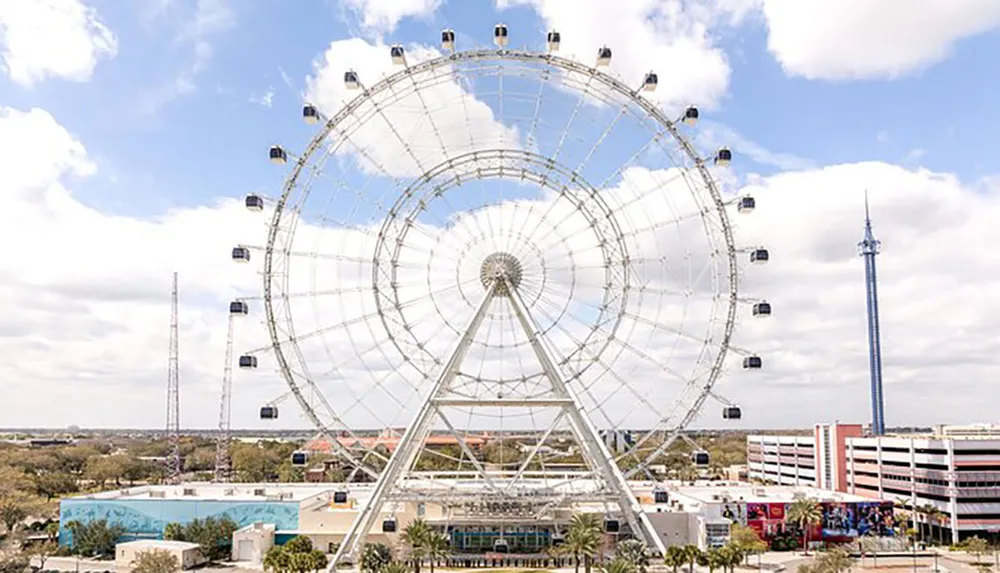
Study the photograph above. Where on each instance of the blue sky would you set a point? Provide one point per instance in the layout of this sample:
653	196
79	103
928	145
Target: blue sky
942	117
818	100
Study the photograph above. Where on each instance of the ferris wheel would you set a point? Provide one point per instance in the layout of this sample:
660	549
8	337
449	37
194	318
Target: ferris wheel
499	275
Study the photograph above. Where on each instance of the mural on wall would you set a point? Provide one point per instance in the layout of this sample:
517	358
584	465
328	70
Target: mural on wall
735	512
839	520
146	518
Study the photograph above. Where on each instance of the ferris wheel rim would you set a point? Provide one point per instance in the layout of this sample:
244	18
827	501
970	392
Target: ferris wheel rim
729	250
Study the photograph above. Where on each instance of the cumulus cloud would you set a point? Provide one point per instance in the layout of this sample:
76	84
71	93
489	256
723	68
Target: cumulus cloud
856	39
53	38
644	35
88	304
403	131
381	16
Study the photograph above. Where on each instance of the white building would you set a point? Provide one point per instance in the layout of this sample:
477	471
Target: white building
188	554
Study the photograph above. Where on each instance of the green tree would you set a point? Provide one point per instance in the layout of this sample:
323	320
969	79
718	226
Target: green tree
52	530
12	511
51	485
155	561
277	560
43	551
13	562
214	536
804	513
416	536
103	469
693	555
834	560
173	532
746	540
619	565
394	567
675	557
977	547
374	557
437	548
633	551
96	538
583	539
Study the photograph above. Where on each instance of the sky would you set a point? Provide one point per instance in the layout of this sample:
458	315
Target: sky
130	133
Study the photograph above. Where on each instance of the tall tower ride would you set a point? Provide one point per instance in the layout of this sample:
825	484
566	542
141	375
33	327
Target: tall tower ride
868	248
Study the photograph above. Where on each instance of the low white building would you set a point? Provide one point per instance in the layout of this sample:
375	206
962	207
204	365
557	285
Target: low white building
188	554
251	543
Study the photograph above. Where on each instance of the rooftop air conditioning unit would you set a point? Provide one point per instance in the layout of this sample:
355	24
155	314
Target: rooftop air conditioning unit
158	494
228	491
260	491
190	491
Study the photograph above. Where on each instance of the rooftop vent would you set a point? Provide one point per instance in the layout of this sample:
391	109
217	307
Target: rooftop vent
190	491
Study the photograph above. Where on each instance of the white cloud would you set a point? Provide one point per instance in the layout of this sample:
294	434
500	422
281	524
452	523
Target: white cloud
403	133
87	297
52	38
209	18
671	38
853	39
381	16
265	100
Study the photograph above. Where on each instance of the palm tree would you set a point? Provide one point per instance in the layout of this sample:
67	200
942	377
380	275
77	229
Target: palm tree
437	548
583	539
619	565
415	536
805	513
634	551
675	557
936	517
693	554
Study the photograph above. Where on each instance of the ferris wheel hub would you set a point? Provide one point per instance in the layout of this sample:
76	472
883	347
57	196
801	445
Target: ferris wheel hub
503	267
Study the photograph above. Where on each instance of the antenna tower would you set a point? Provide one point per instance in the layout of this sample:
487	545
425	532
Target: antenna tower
223	462
173	395
868	248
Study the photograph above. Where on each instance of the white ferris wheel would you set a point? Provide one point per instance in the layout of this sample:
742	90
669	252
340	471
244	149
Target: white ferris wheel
499	278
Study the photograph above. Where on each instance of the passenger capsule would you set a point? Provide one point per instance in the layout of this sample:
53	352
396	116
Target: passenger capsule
759	256
649	84
604	56
340	497
762	308
241	254
268	412
389	525
310	114
752	363
500	35
239	307
248	361
300	458
448	39
690	115
553	39
723	157
277	155
254	202
732	413
746	204
351	81
661	496
397	55
612	526
700	458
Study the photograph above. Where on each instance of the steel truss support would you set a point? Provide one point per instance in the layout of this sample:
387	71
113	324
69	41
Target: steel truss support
613	486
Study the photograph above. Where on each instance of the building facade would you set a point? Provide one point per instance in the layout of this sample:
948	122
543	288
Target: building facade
815	460
955	470
956	473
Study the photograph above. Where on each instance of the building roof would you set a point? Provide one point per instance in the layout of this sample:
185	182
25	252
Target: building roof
216	492
158	544
718	492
